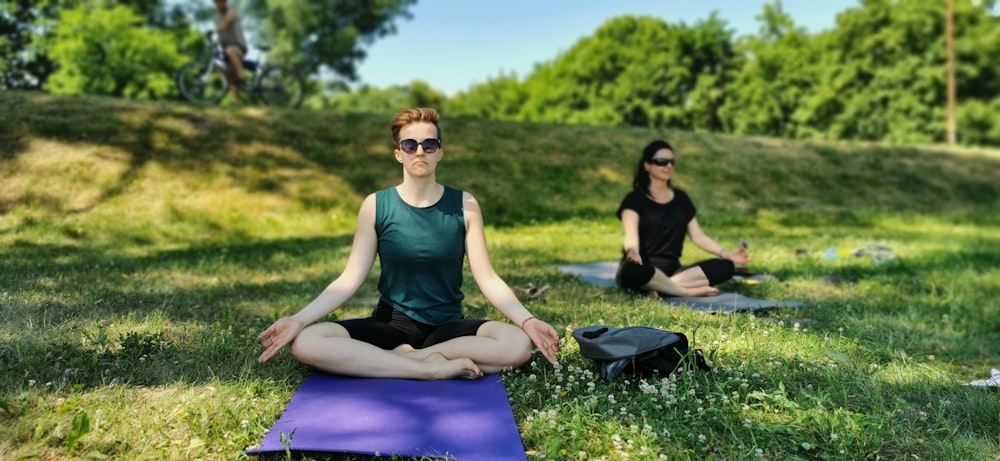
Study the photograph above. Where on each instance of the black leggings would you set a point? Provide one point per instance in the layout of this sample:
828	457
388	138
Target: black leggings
388	328
633	276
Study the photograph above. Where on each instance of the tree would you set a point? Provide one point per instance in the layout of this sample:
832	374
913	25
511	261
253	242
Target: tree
500	98
882	71
108	51
27	28
373	100
778	71
325	34
23	64
637	71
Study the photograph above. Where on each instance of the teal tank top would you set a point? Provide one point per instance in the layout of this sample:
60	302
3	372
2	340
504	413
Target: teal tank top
421	253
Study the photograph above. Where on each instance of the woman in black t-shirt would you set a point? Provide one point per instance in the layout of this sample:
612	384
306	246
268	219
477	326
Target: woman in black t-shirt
656	218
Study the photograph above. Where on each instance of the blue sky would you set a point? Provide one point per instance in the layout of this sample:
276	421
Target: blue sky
455	44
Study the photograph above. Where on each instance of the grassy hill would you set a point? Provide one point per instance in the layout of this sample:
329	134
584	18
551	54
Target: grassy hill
144	245
78	155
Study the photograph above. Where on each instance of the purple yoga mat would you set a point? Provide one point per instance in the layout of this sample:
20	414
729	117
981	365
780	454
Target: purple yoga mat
453	419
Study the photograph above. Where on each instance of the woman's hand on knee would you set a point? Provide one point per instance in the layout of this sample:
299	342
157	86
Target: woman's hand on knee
544	336
632	256
278	335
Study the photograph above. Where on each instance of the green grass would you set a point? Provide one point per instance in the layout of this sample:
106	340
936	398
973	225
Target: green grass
144	245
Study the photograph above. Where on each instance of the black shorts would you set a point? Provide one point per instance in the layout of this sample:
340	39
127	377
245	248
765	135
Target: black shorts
388	328
632	276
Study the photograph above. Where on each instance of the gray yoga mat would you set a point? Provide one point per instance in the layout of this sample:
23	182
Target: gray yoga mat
603	274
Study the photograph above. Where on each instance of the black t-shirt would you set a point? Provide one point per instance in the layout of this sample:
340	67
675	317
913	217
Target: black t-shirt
662	227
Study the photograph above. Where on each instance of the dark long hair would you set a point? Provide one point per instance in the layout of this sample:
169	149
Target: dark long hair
640	183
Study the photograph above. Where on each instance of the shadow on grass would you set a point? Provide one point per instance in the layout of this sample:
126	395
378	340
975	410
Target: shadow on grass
77	294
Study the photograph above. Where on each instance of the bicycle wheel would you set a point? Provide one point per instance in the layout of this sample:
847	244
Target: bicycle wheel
281	87
202	83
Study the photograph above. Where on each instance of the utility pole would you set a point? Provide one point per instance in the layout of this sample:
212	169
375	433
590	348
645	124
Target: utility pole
949	43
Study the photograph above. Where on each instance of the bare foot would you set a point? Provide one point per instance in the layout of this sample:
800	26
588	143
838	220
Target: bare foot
696	292
440	367
410	352
704	291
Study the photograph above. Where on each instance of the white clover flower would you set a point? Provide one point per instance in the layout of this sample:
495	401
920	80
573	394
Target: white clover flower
806	446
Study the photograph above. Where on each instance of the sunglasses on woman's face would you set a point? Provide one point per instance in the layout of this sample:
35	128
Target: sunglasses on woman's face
430	145
662	161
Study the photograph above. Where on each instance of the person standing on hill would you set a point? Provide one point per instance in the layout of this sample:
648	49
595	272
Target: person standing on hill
234	43
422	232
656	218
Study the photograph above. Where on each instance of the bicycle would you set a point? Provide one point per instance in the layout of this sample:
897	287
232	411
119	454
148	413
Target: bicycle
204	81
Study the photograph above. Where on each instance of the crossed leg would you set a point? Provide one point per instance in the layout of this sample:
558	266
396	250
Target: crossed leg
329	347
689	282
496	345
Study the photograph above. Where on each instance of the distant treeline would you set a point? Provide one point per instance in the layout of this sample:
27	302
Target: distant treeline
880	74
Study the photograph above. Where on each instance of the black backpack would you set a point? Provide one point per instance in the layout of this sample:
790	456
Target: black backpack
641	351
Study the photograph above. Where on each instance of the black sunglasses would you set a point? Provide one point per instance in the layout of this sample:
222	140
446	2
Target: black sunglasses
662	161
430	145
